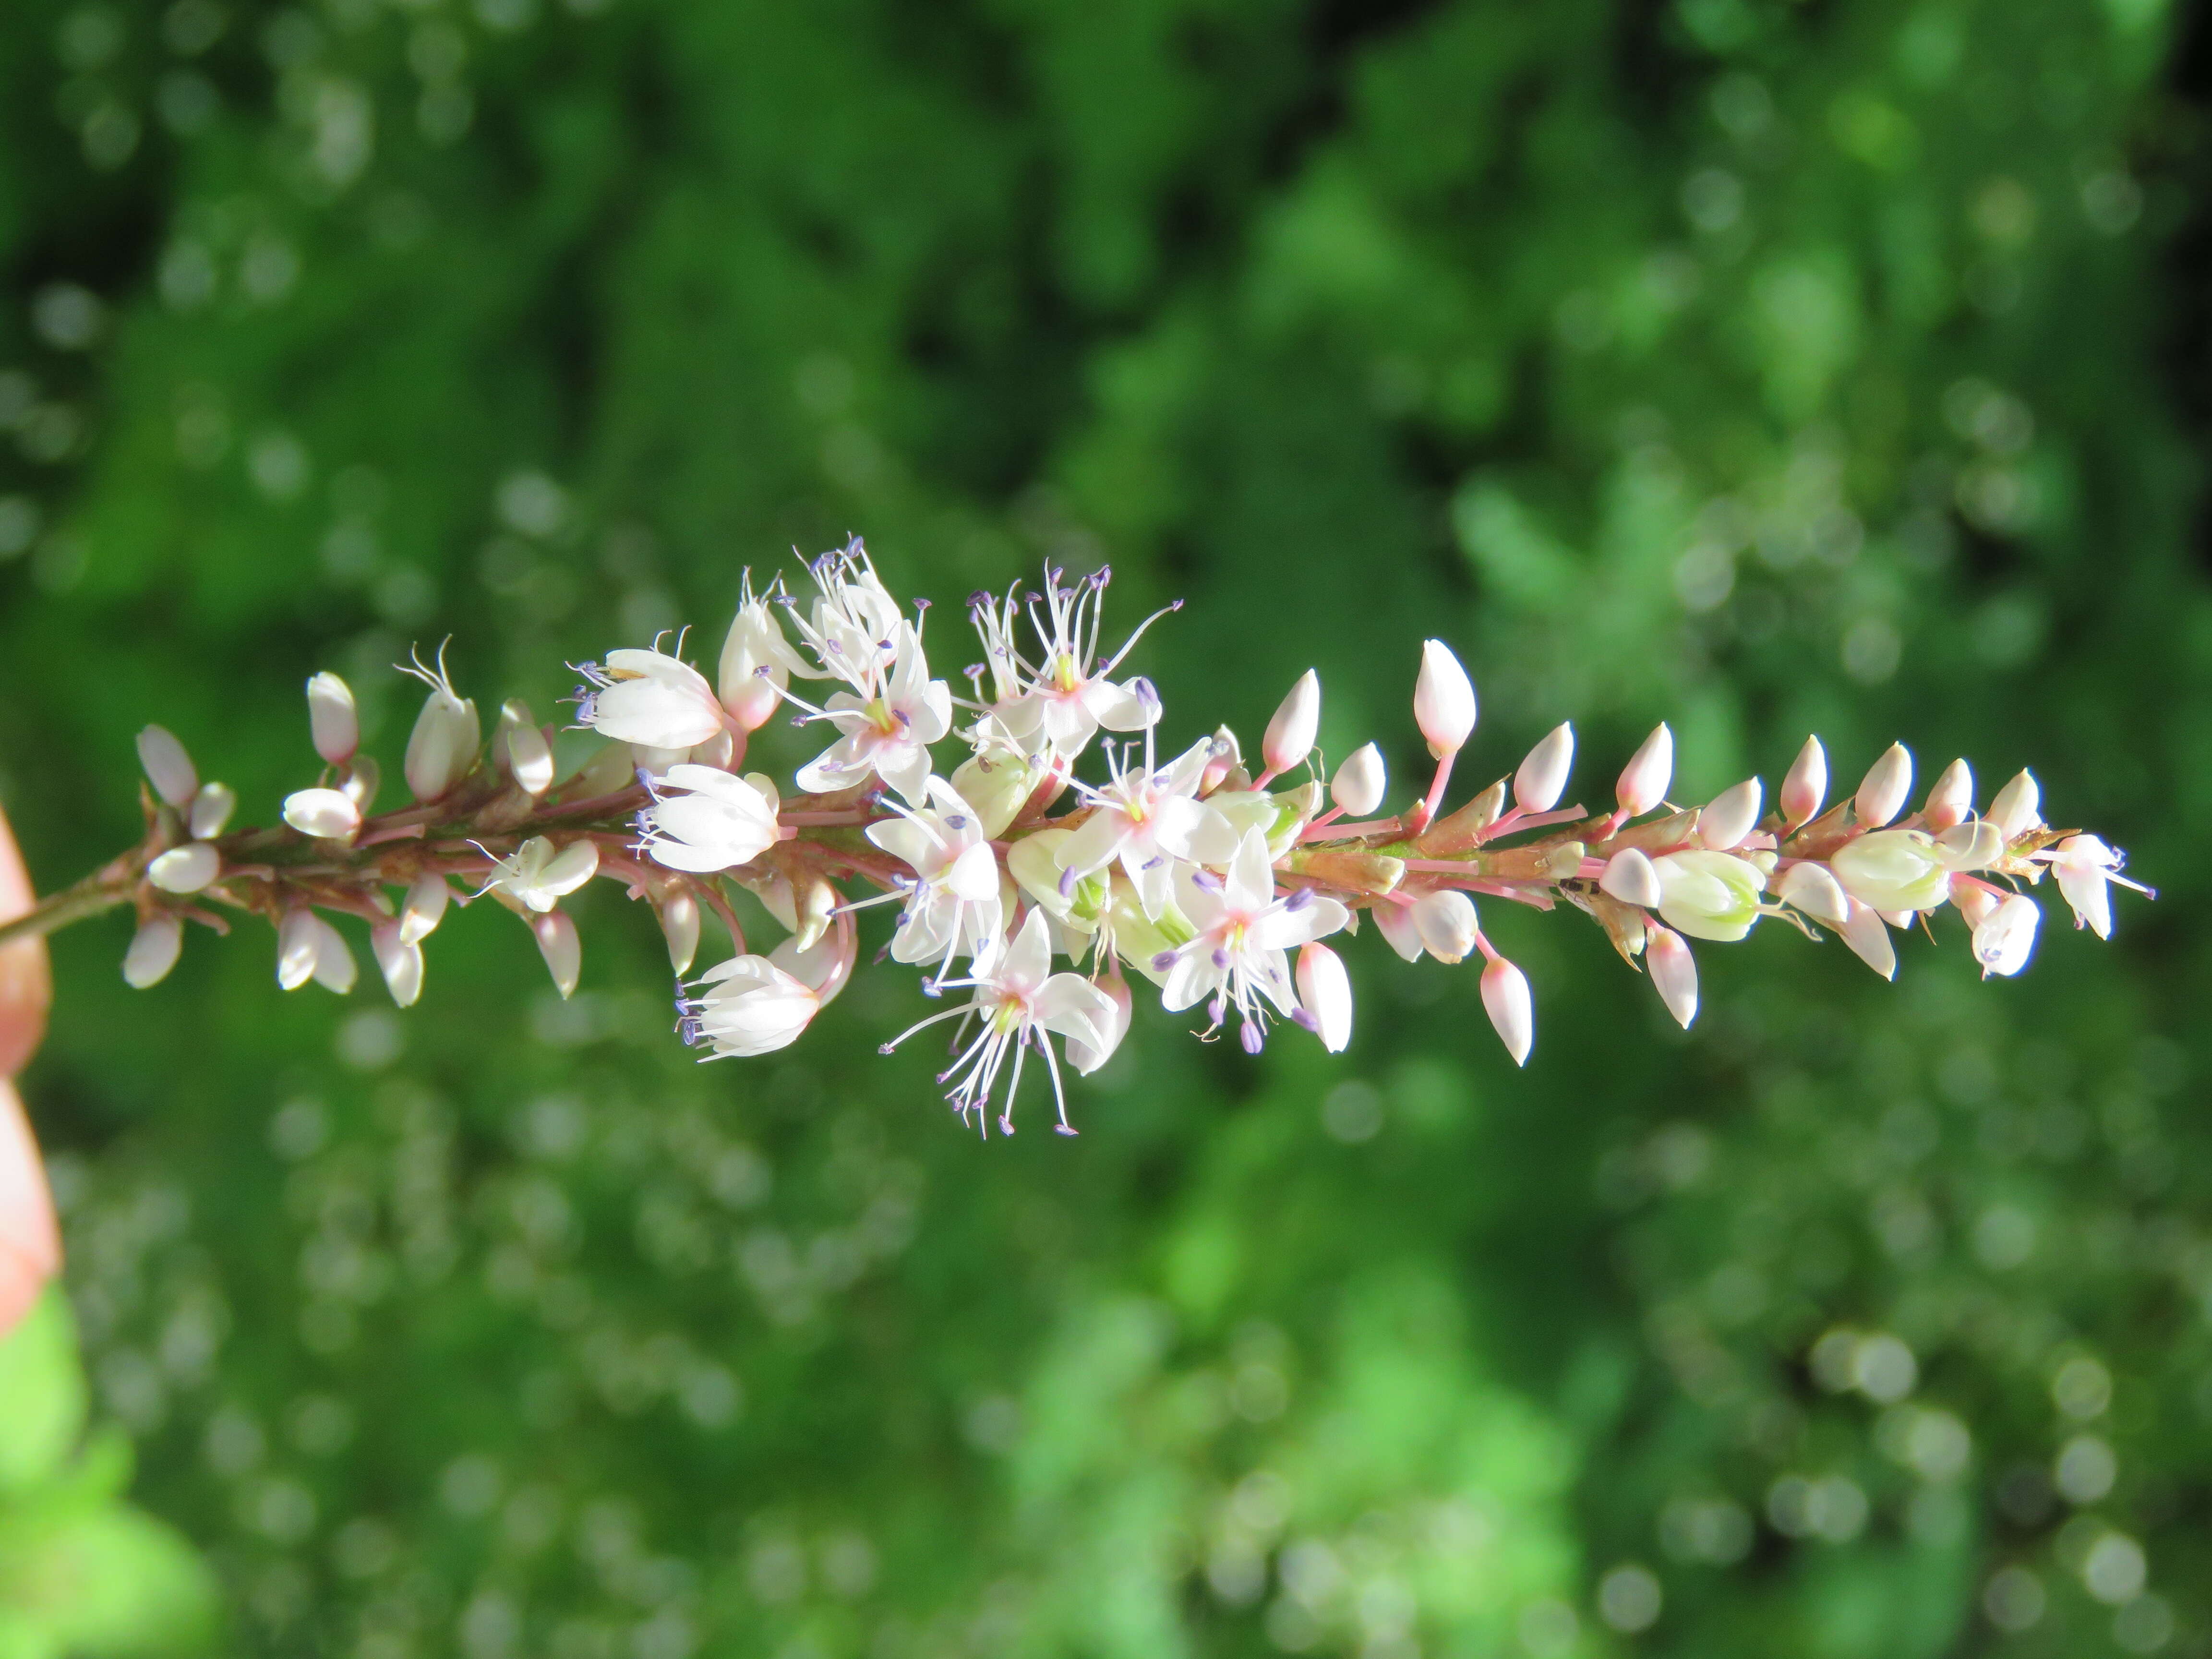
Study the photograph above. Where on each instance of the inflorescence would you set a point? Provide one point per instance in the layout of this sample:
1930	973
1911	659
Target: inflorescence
1186	870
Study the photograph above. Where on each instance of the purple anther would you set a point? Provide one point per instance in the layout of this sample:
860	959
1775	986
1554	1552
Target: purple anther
1299	899
1063	1129
1161	962
1305	1016
1248	1035
958	821
1204	878
1220	956
1068	883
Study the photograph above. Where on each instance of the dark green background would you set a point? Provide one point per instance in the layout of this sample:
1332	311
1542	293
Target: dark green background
1760	367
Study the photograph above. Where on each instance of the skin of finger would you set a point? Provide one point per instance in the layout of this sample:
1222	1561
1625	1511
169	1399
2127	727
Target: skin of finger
26	982
30	1243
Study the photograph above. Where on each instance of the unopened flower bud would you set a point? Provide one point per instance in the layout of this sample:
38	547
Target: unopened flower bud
2005	939
399	959
335	969
1542	778
679	920
423	908
1975	902
1893	870
756	663
1951	800
211	810
329	813
154	950
185	869
1631	878
168	766
1326	991
1512	1011
297	941
1733	815
1806	787
520	750
332	719
362	777
1289	735
1708	895
1674	974
2018	807
1226	758
1867	935
1645	781
1814	891
1887	782
998	784
1396	923
555	934
1358	784
1443	701
1445	922
442	749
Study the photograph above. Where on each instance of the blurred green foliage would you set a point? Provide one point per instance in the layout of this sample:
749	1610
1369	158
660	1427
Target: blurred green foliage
1758	366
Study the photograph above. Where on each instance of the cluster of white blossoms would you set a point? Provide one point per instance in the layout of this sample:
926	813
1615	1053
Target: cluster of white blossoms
1188	869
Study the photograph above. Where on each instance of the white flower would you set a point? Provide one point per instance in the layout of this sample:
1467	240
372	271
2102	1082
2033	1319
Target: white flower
1542	777
331	719
718	822
1087	1058
853	629
1708	895
328	813
185	869
2005	938
1358	787
1807	786
1062	699
154	950
1238	957
2084	865
441	750
1443	701
954	905
1893	869
757	663
1150	820
168	766
1325	989
750	1007
539	876
1018	1001
650	698
887	726
1511	1009
1644	781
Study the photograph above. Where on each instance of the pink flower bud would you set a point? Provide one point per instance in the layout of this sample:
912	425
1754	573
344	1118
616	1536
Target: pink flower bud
1644	780
1952	798
1445	923
1807	786
1358	784
1814	891
1542	778
1396	923
1887	782
1630	877
1290	736
2018	807
1867	935
168	766
1443	701
1326	990
562	949
331	719
1674	975
1505	998
1733	815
